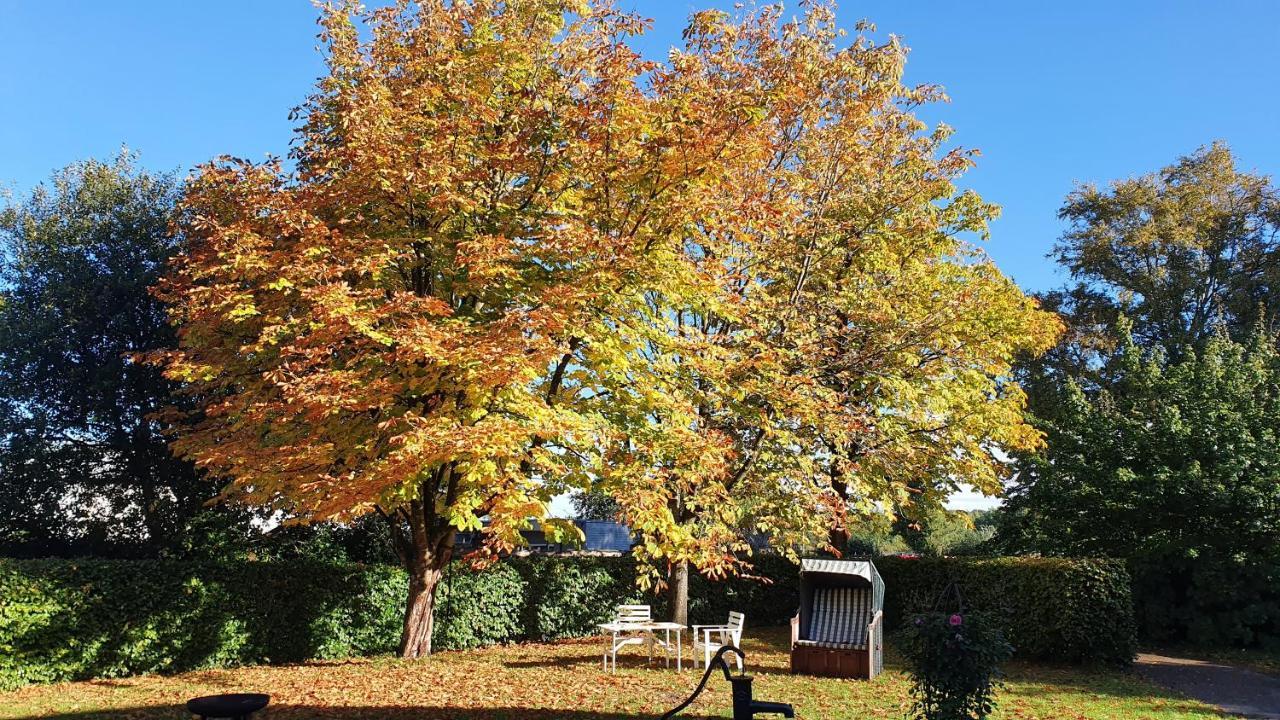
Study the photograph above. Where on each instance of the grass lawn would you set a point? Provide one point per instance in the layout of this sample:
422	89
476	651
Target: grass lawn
565	680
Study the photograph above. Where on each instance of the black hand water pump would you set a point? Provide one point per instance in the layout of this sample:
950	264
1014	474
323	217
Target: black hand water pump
744	707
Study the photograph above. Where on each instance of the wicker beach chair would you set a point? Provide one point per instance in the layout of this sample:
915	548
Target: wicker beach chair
839	629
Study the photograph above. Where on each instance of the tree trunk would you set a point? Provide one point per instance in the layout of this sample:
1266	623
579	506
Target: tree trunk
424	543
420	610
839	539
838	536
678	593
425	550
144	474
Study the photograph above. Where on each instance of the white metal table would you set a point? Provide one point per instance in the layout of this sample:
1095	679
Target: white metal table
615	629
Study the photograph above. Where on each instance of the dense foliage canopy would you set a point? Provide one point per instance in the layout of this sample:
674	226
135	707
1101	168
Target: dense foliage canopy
1162	407
83	466
1180	252
728	290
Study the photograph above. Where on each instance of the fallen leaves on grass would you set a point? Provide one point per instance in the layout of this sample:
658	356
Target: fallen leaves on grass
565	681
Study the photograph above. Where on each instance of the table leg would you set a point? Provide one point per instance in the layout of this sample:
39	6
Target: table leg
666	647
679	649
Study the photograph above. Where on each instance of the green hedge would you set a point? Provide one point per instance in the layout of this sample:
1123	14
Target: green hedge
1213	600
1071	610
71	619
76	619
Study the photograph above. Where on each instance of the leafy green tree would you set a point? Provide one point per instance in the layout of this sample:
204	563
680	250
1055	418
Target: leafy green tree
1176	465
1158	403
1178	251
931	532
874	536
83	468
229	533
938	532
594	505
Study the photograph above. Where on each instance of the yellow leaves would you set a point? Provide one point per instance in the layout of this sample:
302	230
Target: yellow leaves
185	372
565	532
508	267
242	310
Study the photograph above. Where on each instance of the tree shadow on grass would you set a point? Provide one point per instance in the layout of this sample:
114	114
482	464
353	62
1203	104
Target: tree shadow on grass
1167	702
381	712
566	661
575	661
1053	681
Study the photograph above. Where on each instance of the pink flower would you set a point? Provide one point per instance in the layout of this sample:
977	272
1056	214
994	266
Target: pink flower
956	620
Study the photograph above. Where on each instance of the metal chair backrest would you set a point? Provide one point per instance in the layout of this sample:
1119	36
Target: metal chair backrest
634	614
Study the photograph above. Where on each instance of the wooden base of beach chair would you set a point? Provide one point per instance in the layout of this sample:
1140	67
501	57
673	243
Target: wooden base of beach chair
826	662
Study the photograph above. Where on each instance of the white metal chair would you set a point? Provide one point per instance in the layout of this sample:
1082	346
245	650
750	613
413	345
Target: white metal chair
630	626
728	634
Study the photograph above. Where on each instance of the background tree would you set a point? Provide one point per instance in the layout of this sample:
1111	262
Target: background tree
1158	406
942	533
1179	252
82	467
594	505
935	533
1176	466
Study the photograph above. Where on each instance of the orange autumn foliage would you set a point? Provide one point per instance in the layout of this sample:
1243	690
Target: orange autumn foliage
515	258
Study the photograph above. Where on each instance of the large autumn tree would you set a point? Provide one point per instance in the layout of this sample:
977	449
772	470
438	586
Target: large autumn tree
515	259
412	323
856	351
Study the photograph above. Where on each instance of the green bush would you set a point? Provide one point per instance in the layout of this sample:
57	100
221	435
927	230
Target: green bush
1073	610
771	600
568	597
1211	600
473	608
76	619
954	660
72	619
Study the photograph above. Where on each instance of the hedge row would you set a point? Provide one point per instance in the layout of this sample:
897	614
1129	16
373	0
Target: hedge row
1073	610
76	619
1209	600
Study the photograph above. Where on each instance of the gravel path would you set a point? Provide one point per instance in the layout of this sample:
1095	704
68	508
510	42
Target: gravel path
1235	690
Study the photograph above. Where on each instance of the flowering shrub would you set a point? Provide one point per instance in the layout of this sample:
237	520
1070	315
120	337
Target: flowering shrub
954	661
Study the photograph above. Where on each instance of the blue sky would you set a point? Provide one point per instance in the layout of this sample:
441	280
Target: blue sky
1051	93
